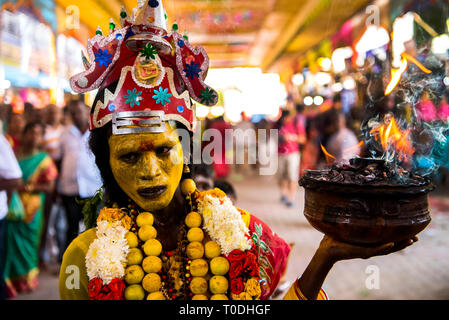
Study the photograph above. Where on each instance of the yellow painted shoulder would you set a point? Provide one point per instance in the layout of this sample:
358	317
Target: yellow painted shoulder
73	280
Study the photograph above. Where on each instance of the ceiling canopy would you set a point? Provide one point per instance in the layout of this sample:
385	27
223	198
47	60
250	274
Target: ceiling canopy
238	33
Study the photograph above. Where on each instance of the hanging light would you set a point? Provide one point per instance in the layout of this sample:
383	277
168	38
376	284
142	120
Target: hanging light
318	100
217	111
322	78
298	79
337	87
308	101
349	83
325	63
201	111
440	44
338	58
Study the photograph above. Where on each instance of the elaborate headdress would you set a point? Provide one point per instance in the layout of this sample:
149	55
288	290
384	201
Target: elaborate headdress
156	72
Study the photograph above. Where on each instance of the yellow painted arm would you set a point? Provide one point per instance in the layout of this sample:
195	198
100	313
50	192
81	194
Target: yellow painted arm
73	280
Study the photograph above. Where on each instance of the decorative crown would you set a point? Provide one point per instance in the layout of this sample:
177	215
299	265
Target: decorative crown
156	72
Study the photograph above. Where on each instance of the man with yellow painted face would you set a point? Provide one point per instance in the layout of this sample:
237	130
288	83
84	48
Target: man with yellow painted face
158	237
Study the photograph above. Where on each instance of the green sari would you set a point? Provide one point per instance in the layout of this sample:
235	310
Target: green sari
23	229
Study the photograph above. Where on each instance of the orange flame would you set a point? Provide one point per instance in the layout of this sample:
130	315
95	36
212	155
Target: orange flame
397	73
418	64
390	135
329	158
396	76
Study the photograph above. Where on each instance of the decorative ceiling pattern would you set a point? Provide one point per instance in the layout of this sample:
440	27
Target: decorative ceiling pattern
238	33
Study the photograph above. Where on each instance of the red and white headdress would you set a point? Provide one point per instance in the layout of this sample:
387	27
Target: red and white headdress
156	74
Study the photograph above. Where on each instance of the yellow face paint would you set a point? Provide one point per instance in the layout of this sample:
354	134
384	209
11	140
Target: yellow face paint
147	166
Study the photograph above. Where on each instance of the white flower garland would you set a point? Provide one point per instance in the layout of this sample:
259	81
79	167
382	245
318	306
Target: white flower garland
224	223
107	255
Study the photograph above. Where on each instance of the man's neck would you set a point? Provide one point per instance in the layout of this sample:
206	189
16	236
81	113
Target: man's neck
169	220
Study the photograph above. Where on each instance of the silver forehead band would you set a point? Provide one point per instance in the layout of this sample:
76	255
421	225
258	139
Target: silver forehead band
145	121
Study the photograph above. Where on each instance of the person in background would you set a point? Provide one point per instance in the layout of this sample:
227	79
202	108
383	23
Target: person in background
300	121
203	175
53	131
227	188
337	103
5	109
443	109
87	174
426	109
69	153
245	142
10	180
343	144
291	135
66	117
311	151
29	112
15	124
220	166
51	145
24	219
327	124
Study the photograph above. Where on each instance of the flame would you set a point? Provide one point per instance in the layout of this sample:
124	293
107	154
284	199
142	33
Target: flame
329	158
391	136
418	64
396	76
397	73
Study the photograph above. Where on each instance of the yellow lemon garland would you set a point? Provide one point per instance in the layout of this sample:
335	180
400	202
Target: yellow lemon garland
205	270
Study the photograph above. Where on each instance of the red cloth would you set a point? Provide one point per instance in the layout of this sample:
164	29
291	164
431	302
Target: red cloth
289	133
272	252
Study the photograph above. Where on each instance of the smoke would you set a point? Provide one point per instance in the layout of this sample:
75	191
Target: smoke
429	138
437	155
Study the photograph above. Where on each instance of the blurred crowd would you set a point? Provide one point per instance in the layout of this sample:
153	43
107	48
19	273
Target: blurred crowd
46	170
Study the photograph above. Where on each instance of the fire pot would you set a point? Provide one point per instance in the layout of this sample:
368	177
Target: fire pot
366	214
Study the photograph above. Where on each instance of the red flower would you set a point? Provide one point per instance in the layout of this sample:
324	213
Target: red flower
237	285
117	288
235	269
251	267
100	296
113	291
95	286
108	296
236	255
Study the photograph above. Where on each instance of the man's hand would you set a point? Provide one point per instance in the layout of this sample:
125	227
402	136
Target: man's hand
331	251
337	250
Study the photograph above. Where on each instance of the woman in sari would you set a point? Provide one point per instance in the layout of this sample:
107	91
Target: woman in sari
24	220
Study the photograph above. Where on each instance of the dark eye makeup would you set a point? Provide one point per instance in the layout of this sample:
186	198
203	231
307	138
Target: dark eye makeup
130	157
163	150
